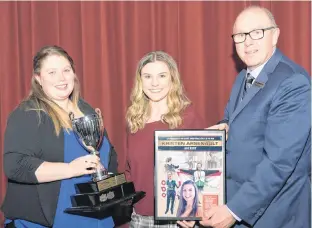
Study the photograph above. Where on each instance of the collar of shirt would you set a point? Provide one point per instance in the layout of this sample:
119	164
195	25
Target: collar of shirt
257	71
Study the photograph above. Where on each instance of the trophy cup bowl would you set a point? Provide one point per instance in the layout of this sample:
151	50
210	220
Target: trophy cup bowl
89	131
107	194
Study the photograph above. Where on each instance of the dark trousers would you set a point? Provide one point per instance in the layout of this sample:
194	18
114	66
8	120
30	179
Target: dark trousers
170	197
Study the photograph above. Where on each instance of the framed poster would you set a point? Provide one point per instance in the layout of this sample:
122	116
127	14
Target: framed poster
189	173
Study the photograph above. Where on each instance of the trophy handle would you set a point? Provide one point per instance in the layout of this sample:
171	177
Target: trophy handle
71	116
98	112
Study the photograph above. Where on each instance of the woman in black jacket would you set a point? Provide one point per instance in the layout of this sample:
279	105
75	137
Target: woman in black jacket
42	158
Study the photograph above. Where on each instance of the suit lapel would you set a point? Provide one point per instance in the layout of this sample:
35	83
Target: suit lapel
237	90
254	89
257	85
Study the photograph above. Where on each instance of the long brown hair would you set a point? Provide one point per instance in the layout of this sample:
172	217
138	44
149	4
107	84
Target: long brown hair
41	101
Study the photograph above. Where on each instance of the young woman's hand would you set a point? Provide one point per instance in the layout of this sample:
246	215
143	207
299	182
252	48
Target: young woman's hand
186	224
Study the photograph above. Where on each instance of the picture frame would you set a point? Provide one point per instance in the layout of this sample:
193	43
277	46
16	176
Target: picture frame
189	173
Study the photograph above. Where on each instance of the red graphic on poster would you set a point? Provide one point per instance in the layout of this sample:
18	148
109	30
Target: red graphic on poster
163	188
209	201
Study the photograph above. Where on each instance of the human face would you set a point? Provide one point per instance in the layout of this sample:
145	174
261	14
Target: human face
199	166
156	80
56	78
188	193
255	52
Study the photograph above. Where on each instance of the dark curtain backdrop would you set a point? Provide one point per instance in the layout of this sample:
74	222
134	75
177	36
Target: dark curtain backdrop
107	39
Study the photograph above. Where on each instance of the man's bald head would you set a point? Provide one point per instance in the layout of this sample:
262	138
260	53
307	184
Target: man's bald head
258	10
256	35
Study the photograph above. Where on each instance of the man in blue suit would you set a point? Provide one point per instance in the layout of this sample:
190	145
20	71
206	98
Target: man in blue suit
268	150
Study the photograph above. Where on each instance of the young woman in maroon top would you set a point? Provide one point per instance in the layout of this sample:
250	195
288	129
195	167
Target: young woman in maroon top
158	102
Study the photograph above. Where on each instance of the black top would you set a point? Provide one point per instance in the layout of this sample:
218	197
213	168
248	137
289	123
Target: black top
29	140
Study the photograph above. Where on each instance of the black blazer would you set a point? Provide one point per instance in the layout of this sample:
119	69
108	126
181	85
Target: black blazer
30	140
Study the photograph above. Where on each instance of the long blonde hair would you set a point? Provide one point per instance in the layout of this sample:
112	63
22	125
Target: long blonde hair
39	98
139	110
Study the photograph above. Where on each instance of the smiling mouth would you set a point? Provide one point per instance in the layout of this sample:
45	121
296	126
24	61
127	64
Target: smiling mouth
251	52
155	90
61	86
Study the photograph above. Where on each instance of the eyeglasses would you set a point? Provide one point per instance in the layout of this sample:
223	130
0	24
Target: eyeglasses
256	34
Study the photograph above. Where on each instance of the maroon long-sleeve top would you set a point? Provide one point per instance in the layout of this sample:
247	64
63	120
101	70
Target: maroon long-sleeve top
140	156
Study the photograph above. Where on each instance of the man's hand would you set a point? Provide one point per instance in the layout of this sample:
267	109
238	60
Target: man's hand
186	224
218	217
222	126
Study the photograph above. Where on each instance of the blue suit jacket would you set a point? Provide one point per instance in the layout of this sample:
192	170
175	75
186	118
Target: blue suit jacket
268	151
